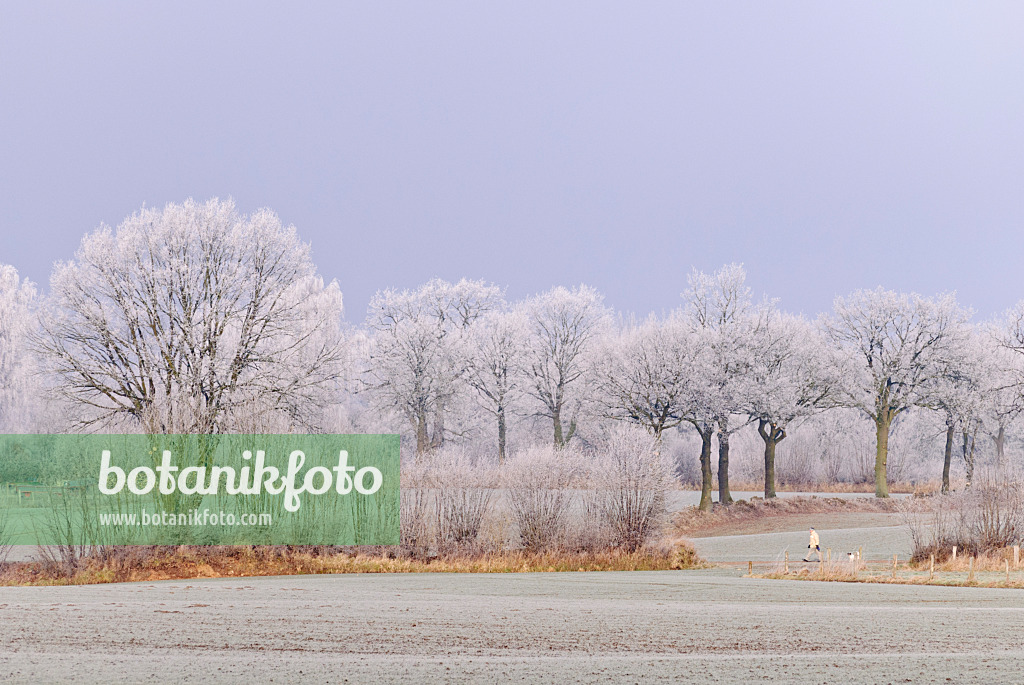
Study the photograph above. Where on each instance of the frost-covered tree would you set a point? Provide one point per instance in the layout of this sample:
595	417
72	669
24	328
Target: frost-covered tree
496	366
793	375
707	397
659	375
190	318
898	344
17	319
1005	396
1001	397
644	373
958	393
720	308
418	351
564	324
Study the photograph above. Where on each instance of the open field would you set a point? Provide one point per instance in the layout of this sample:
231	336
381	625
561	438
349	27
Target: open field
584	627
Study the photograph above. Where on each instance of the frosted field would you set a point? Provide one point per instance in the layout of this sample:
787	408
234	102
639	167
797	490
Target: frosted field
578	627
712	626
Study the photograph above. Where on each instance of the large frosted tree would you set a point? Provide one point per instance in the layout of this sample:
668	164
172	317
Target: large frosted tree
191	319
793	375
564	325
898	344
959	393
495	367
419	353
661	374
645	373
722	312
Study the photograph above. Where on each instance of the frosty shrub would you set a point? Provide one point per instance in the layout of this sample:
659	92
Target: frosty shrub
539	483
414	514
629	480
463	491
987	517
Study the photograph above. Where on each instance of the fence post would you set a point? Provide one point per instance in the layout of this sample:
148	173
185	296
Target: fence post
931	568
785	569
954	552
1007	566
970	570
1016	556
893	565
750	568
828	555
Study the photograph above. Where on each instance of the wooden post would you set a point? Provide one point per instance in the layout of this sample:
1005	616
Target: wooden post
1016	556
860	553
893	565
785	569
954	552
750	568
931	568
1007	566
828	555
970	570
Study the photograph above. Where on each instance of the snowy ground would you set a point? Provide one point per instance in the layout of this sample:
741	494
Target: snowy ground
708	626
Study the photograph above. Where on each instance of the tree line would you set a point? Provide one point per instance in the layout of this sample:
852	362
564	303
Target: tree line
195	318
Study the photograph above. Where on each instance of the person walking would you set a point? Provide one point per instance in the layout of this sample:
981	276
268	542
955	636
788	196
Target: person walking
814	546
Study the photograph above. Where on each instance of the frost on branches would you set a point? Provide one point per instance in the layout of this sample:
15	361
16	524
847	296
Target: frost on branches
194	319
17	363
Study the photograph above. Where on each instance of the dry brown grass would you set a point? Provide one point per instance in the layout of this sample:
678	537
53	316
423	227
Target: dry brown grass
991	570
134	564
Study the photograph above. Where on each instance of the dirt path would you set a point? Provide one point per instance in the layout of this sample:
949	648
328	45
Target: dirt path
583	627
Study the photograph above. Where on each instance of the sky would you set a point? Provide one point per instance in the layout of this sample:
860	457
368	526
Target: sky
826	146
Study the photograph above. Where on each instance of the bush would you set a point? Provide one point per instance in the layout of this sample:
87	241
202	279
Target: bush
446	496
988	517
463	492
414	513
630	479
538	483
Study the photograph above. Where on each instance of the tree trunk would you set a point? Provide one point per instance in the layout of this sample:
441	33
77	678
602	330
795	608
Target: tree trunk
422	440
772	437
556	419
969	457
501	435
1000	441
706	476
437	439
948	457
883	421
724	496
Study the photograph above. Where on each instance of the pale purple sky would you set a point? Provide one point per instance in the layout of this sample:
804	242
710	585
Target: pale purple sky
828	146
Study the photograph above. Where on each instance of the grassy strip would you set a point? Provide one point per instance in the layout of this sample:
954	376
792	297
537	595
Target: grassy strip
904	576
179	563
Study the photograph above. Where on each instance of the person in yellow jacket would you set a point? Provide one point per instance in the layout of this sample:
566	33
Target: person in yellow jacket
814	546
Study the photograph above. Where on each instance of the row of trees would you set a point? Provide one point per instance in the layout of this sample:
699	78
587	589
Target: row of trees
195	318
